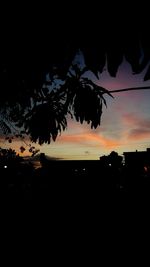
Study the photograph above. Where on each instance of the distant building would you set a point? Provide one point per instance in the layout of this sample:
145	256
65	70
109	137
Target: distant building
112	160
137	159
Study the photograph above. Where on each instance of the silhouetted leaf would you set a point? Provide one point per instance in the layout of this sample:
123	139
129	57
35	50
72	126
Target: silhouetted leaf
95	58
114	59
133	51
22	149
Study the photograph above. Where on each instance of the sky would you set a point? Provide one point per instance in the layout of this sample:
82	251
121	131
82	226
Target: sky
125	123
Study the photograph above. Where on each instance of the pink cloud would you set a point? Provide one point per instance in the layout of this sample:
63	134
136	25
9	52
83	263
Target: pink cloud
138	134
138	127
134	120
131	118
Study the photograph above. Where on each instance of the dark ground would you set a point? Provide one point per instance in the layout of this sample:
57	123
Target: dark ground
73	211
70	185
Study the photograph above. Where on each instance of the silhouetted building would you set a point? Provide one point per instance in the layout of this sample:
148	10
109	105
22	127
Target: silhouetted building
112	160
137	159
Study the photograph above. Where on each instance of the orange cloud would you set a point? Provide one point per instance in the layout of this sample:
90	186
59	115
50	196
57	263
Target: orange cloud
89	139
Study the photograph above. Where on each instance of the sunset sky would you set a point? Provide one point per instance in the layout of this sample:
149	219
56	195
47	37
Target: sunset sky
125	123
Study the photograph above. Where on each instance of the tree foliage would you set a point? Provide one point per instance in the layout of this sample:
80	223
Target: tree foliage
36	106
9	157
46	114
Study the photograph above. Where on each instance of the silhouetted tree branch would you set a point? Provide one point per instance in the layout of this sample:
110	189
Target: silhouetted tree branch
130	89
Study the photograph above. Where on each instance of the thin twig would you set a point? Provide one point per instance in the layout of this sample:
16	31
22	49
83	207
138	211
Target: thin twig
130	89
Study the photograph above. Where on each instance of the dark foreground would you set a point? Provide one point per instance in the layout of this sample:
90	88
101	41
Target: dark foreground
69	185
73	206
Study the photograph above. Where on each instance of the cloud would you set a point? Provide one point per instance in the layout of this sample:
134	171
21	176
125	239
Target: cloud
89	139
134	120
53	158
131	119
139	133
139	128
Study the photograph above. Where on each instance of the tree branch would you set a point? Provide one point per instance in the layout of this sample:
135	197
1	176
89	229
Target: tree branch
130	89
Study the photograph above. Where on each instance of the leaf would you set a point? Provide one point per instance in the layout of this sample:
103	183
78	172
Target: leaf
22	149
54	136
95	57
23	132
